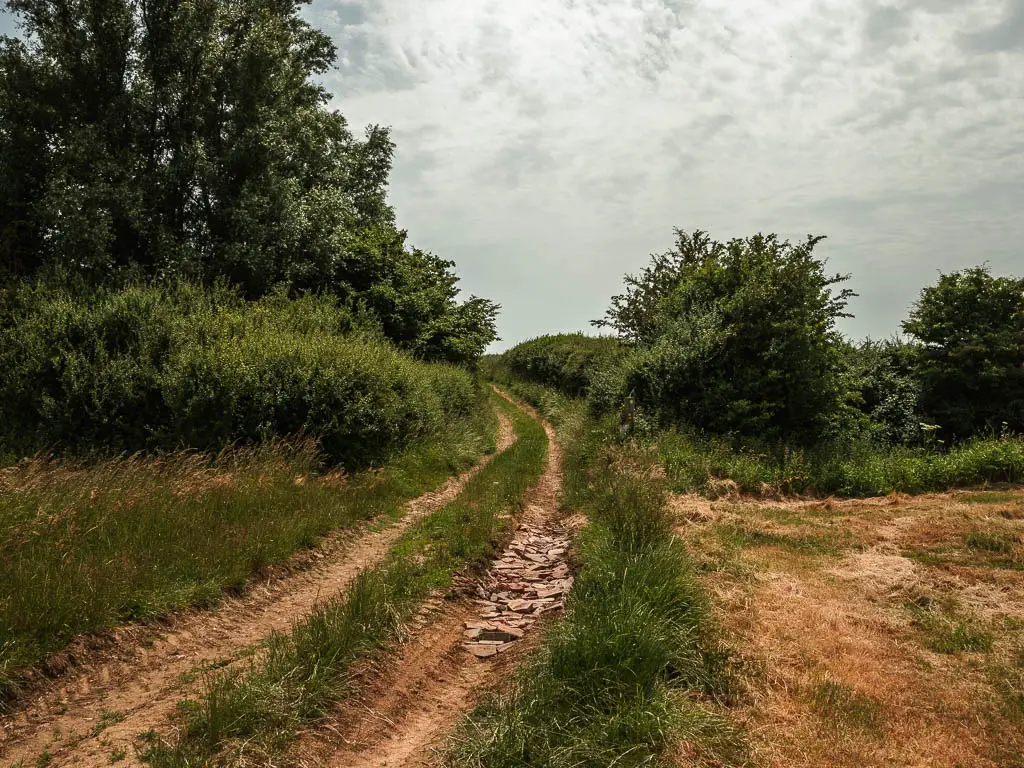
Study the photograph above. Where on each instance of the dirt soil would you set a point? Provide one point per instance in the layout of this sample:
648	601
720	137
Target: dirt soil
133	683
406	707
877	632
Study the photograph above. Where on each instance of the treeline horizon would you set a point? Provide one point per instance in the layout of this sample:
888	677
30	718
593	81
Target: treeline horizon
727	356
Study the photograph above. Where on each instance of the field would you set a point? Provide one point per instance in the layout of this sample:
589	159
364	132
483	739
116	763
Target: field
878	632
727	630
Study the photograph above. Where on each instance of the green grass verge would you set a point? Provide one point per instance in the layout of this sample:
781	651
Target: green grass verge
612	682
261	707
85	548
854	468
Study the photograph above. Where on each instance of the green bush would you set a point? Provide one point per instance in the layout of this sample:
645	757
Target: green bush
168	367
734	337
971	328
568	362
884	397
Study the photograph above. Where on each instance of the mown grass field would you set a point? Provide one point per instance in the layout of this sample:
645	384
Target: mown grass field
887	631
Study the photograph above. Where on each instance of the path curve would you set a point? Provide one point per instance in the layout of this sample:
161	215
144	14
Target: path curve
143	685
416	700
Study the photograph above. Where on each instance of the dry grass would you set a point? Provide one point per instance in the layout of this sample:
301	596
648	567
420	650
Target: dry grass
875	632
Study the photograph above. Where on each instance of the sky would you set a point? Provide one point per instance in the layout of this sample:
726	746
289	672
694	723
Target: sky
550	146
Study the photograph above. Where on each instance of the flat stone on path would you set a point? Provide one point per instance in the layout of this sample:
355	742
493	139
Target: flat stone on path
481	651
528	579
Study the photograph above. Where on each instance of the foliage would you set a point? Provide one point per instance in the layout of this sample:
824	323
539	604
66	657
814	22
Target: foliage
846	467
567	362
305	670
884	389
164	139
164	367
734	337
971	327
77	550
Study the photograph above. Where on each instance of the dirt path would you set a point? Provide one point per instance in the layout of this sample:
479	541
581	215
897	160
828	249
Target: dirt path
403	716
876	632
95	712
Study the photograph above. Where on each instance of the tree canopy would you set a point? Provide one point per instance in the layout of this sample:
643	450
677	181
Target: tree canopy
161	138
971	362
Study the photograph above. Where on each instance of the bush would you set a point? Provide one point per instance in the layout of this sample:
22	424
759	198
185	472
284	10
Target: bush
567	362
884	390
971	327
168	367
734	337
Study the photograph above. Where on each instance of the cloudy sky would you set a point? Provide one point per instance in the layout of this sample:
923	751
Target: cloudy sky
548	146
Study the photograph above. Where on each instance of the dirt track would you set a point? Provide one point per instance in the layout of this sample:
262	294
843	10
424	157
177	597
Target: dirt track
98	708
404	715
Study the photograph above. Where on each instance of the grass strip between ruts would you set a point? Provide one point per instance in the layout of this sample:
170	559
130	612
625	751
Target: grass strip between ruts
627	677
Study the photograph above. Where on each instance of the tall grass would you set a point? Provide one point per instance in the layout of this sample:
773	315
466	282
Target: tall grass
608	685
260	708
87	547
849	468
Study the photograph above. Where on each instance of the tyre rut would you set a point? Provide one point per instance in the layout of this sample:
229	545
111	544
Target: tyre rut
402	717
103	704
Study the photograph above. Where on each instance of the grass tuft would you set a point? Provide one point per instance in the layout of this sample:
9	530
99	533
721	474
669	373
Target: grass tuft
840	705
948	633
1000	544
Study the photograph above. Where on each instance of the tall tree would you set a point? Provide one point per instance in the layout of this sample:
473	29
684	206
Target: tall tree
191	138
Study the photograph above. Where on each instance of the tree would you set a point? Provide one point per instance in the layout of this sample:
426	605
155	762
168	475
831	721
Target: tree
190	139
971	364
884	388
734	337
